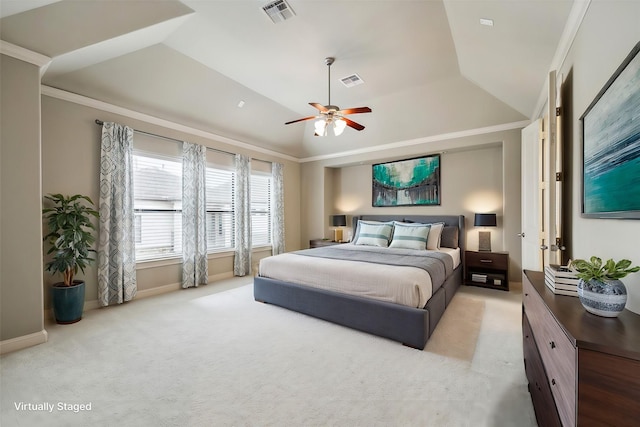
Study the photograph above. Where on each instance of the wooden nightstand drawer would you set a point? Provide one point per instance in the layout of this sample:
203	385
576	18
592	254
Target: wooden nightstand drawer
487	269
494	260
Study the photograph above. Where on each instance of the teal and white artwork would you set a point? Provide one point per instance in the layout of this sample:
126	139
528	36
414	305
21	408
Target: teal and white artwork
407	182
611	146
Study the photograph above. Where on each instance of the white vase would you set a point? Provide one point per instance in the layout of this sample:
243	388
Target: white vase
605	299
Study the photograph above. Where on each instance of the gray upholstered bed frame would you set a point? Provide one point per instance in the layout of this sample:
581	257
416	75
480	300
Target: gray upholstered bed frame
410	326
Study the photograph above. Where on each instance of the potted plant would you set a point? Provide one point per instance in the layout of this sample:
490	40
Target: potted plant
71	234
600	290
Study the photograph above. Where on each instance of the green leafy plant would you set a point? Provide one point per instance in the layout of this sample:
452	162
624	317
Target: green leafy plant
595	269
70	234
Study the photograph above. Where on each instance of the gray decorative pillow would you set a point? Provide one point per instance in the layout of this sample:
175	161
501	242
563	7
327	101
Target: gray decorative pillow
449	237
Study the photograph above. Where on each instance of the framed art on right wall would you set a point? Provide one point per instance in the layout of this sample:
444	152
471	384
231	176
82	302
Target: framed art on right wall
611	146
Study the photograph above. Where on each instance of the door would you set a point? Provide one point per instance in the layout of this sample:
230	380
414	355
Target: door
552	159
532	196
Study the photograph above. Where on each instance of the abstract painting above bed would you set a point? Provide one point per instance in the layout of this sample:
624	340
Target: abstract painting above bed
407	182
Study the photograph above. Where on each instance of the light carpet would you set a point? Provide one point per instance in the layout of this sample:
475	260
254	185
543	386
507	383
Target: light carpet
193	358
457	333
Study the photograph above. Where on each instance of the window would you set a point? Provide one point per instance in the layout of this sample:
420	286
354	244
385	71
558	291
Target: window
157	189
260	209
220	209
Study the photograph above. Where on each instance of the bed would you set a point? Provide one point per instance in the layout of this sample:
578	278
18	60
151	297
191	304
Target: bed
410	321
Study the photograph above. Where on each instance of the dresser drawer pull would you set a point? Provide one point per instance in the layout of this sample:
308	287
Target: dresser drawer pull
486	261
552	344
553	381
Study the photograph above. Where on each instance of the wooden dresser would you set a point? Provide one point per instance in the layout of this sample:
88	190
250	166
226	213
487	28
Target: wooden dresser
582	369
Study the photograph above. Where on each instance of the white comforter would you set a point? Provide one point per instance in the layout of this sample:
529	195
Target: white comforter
408	286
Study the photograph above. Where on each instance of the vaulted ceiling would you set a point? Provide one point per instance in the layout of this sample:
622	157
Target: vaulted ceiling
429	67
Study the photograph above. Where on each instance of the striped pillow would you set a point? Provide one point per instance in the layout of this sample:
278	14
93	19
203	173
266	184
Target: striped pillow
410	236
373	234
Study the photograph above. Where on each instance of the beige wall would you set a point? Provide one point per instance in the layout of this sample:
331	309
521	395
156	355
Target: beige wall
69	132
479	174
608	33
20	198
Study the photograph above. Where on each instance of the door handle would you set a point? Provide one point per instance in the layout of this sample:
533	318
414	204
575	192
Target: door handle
544	247
521	234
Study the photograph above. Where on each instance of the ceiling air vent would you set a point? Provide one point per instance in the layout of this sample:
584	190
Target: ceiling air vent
352	80
278	11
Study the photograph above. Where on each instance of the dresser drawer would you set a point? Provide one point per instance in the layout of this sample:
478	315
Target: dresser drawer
492	260
557	353
541	396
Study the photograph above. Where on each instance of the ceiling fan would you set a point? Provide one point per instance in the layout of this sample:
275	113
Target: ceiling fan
331	117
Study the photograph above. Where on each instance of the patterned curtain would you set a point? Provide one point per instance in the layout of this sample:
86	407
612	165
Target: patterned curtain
277	209
116	246
242	259
194	215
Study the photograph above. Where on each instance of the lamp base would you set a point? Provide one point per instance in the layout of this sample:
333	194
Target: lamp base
337	235
484	241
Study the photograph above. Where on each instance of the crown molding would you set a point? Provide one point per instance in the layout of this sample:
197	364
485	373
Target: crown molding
574	20
419	141
105	106
23	54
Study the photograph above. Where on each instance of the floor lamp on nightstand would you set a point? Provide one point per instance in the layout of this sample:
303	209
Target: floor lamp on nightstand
338	221
484	237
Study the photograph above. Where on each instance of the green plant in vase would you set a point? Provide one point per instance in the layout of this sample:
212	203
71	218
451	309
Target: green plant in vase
70	236
600	289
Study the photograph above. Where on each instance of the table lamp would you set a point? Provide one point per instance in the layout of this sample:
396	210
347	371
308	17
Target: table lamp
484	237
338	221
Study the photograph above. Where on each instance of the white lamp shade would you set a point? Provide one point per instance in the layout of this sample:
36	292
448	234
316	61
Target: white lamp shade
321	127
338	126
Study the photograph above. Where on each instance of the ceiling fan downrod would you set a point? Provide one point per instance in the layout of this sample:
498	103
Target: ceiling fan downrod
329	60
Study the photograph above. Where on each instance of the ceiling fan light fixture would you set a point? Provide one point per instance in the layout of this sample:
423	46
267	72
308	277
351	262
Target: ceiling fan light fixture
332	115
321	127
324	125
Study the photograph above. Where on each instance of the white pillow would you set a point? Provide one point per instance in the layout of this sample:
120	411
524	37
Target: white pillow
433	241
410	236
373	234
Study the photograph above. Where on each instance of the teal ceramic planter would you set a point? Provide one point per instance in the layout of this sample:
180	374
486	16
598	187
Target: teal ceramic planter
68	302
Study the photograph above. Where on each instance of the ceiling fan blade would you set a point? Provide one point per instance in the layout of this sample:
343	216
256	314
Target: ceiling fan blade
355	110
301	120
352	124
320	107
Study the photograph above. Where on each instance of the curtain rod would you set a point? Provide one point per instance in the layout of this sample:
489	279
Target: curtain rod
100	122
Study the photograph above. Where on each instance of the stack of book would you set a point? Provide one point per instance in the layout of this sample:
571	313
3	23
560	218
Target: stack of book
480	278
561	280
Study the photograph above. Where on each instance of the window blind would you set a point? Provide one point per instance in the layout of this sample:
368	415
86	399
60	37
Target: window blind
157	189
220	208
260	209
157	170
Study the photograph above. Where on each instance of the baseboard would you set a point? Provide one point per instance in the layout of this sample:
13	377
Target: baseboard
159	290
18	343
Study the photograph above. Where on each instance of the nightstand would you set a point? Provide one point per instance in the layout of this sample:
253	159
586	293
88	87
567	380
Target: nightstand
487	269
316	243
